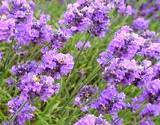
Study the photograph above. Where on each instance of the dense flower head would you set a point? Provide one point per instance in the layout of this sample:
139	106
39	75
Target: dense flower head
32	85
150	110
149	77
20	10
140	24
60	37
147	73
104	58
150	48
85	96
56	64
91	120
125	43
23	68
149	35
86	16
6	29
40	31
121	6
25	114
83	45
36	31
19	24
151	51
16	18
110	101
148	101
122	71
153	87
146	122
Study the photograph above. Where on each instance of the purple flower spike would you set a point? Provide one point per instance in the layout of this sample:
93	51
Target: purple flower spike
56	64
91	120
110	101
85	96
146	122
32	85
25	114
140	24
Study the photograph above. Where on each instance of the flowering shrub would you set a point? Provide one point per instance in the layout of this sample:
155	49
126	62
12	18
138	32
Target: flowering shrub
52	80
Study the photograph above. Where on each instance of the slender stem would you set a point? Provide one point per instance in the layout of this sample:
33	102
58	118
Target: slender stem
77	58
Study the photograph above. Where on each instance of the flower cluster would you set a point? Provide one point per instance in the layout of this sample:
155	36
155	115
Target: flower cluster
56	64
91	120
110	101
32	78
121	6
150	8
26	113
23	68
132	58
140	24
85	97
122	71
86	16
32	85
18	23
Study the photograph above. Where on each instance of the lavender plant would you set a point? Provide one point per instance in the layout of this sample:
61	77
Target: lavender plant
52	80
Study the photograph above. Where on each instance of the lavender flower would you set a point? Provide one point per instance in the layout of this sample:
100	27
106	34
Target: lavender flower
105	58
56	64
151	110
6	29
43	86
150	9
86	16
125	43
140	24
34	31
85	96
122	71
91	120
20	24
21	69
21	11
121	6
25	114
60	37
110	101
40	31
151	51
83	45
146	122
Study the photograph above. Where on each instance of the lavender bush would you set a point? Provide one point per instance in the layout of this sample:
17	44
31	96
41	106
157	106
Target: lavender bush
91	62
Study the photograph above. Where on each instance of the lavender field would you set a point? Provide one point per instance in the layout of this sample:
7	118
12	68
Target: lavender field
79	62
